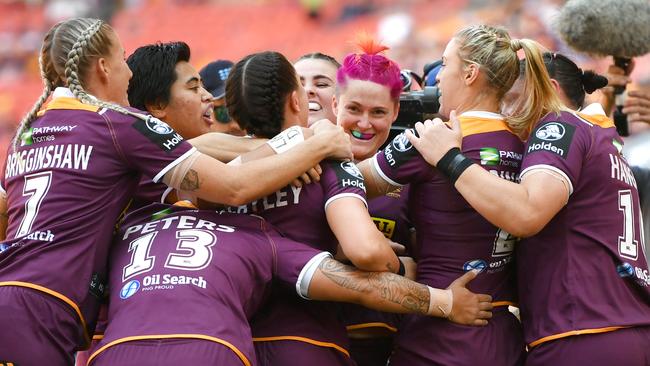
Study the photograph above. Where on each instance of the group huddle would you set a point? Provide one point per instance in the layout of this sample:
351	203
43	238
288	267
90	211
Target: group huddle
133	233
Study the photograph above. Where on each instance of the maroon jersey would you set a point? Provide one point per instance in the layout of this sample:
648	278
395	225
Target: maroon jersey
180	273
586	271
452	237
390	215
299	214
72	175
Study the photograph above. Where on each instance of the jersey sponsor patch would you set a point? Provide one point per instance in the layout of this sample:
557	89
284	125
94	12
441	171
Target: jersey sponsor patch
159	133
349	175
386	226
400	150
554	137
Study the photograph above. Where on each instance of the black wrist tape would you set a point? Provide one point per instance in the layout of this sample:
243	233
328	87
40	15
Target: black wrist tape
453	164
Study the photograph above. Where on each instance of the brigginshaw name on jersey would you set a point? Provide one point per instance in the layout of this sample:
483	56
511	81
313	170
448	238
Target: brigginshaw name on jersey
66	156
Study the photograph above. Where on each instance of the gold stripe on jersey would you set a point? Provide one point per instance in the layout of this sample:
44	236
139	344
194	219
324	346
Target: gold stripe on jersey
98	337
573	333
504	303
303	339
68	103
476	125
371	325
597	119
59	296
230	346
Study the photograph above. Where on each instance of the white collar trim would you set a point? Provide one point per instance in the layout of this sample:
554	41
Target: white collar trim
594	109
482	114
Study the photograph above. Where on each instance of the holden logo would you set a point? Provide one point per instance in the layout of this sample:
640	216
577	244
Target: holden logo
351	169
158	126
402	143
550	132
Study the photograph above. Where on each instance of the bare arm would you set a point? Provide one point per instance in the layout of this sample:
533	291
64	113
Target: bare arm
364	245
375	185
4	218
224	147
529	206
520	209
214	181
385	291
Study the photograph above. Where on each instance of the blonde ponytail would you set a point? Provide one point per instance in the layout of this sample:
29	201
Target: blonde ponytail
538	96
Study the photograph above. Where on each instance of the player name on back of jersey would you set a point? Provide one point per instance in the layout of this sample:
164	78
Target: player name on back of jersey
289	195
64	156
621	171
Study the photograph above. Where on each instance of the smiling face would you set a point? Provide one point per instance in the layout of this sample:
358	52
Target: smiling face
451	79
318	77
366	111
190	108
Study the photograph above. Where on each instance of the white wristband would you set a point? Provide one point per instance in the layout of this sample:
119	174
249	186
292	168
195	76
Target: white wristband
440	302
286	139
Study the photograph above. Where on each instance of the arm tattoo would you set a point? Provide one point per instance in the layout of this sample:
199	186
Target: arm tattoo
190	181
411	296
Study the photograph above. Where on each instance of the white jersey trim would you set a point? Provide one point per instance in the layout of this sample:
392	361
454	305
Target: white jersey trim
166	193
2	189
482	114
307	273
164	171
343	195
551	168
375	165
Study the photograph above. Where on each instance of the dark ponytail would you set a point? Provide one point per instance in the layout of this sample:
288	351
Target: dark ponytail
592	81
256	91
573	81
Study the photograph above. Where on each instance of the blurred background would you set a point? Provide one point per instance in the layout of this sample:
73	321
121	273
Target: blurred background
416	30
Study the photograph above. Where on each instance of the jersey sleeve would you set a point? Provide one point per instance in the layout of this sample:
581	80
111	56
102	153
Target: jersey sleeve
150	145
559	146
342	179
399	163
296	263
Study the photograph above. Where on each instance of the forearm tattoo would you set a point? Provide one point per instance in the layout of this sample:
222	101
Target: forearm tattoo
410	295
190	181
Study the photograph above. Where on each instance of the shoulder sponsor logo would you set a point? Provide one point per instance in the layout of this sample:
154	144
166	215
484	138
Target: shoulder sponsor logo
129	289
478	264
401	143
159	133
351	169
554	137
158	126
552	131
489	156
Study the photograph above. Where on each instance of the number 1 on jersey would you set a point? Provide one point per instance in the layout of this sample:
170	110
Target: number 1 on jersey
628	247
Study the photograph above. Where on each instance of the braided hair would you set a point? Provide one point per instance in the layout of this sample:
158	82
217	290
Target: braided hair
257	89
68	50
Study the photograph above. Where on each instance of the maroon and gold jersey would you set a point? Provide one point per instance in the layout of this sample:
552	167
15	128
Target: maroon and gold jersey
182	273
586	270
73	173
453	238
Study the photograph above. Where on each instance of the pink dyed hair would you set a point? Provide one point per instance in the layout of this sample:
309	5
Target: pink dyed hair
370	65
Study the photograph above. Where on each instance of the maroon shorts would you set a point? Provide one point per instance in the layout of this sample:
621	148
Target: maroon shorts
289	352
168	352
36	328
629	347
433	341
